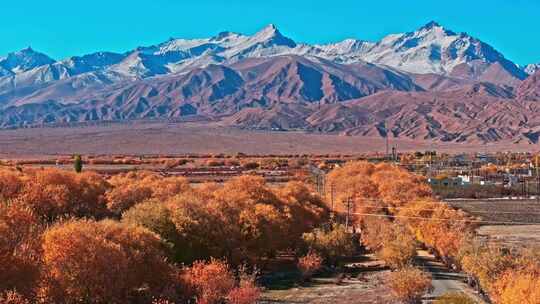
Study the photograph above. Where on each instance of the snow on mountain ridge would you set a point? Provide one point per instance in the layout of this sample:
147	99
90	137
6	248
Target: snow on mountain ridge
24	60
430	49
532	68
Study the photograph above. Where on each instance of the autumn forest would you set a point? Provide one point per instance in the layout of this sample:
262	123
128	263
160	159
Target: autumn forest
142	237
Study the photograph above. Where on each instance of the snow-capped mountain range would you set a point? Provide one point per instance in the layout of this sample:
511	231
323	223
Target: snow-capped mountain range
230	72
430	49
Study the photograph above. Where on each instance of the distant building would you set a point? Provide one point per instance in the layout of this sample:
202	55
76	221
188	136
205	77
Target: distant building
459	160
471	179
446	181
485	158
510	180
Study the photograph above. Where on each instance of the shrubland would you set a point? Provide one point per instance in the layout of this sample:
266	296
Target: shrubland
140	237
396	209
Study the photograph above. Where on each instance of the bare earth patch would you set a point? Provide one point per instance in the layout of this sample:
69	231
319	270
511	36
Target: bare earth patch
365	288
501	210
521	220
178	138
515	235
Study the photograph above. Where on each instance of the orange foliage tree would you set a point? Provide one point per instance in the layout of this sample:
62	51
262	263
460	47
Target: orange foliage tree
409	284
213	282
242	221
518	286
102	262
446	232
132	188
19	249
392	243
53	193
330	242
399	187
11	184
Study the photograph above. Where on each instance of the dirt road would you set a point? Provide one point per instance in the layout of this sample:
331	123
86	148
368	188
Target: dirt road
444	280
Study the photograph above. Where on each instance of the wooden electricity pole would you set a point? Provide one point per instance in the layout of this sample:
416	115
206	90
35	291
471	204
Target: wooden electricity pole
348	213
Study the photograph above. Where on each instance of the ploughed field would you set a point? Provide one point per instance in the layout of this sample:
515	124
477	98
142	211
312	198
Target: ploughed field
515	223
495	211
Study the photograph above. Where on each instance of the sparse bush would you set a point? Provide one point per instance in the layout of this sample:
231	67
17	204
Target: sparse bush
12	297
232	163
409	284
309	264
247	291
212	281
399	247
297	163
215	163
454	298
330	243
398	253
11	184
250	165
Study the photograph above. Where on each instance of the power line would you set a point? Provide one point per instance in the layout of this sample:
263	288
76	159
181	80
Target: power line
453	208
465	211
444	219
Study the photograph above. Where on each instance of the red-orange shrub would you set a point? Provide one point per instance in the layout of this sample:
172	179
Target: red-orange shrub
12	297
212	281
409	284
309	264
19	249
53	193
135	187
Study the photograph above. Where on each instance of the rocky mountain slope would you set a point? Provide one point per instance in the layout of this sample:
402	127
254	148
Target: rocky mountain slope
431	83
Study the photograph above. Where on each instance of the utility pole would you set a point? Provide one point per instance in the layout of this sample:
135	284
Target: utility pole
386	138
348	213
332	196
320	184
537	180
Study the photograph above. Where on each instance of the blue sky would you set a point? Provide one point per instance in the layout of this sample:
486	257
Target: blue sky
63	28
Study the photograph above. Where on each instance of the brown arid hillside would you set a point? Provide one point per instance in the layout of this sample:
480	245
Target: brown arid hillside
530	88
428	85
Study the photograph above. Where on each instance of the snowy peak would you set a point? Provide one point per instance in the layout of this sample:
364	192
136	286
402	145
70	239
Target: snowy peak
268	31
226	36
434	49
532	68
270	35
24	60
431	49
433	26
91	62
430	25
347	46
